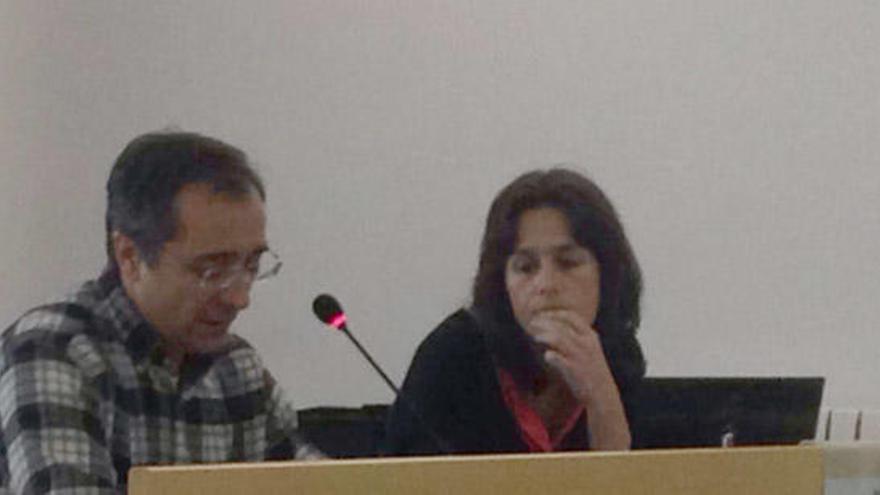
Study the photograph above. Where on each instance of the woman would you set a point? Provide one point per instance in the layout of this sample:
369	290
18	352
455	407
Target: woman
546	357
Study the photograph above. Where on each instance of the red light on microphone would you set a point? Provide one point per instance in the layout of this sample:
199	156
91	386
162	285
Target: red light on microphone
338	321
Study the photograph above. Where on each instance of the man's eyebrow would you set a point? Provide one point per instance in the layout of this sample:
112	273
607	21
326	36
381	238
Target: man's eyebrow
223	257
215	258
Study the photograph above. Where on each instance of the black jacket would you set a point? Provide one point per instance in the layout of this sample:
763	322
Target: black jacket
453	386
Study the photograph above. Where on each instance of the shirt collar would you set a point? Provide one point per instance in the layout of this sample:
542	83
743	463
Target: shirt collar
139	338
533	431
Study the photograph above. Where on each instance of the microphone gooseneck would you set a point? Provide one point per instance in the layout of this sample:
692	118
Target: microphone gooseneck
330	312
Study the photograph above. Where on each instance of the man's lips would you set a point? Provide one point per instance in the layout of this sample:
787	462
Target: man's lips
217	326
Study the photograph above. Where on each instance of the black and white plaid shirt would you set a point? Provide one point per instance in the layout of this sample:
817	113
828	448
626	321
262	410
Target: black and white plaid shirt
85	393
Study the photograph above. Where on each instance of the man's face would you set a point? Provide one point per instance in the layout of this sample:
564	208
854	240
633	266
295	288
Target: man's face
214	231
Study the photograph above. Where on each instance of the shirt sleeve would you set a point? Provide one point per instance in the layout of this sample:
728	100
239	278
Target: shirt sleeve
283	438
52	433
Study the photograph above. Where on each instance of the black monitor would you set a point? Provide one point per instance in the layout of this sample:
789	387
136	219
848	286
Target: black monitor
709	412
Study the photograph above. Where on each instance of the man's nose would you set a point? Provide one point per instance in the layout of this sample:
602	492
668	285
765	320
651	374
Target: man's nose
238	294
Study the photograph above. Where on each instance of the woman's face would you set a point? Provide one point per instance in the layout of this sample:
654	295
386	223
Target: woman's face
549	270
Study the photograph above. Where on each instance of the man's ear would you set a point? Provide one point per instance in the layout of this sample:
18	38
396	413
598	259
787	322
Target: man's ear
127	257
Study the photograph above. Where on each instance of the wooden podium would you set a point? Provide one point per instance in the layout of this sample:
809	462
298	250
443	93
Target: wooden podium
739	470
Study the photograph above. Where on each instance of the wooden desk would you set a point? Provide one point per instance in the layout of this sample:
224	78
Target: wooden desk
742	470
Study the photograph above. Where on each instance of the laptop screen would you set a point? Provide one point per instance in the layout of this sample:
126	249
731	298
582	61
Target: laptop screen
709	412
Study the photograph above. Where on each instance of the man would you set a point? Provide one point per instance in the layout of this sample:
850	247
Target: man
139	366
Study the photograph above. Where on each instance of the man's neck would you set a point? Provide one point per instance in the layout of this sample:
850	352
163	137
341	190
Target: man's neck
174	354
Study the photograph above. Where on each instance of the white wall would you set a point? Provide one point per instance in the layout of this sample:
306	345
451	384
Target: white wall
738	139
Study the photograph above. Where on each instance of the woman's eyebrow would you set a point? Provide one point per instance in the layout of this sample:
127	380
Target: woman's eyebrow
554	249
569	247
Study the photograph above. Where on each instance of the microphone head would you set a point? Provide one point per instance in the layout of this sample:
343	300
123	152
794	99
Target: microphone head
329	311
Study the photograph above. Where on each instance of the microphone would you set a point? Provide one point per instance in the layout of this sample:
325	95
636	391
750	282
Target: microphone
330	312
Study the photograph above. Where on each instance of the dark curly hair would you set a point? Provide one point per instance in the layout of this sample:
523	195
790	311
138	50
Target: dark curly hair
595	226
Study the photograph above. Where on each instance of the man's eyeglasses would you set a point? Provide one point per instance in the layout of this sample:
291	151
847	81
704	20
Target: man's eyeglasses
220	277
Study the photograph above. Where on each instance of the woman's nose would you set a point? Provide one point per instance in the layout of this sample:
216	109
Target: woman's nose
547	278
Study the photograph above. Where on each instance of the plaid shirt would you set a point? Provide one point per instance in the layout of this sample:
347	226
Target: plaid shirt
86	393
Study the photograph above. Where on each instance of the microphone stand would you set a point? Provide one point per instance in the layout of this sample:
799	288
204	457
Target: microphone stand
438	441
370	360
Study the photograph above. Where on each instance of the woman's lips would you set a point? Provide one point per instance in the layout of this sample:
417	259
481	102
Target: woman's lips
548	308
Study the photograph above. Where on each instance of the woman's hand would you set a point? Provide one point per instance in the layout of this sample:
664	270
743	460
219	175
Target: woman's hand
572	347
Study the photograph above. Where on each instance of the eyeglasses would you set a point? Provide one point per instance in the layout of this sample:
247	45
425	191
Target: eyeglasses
221	277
